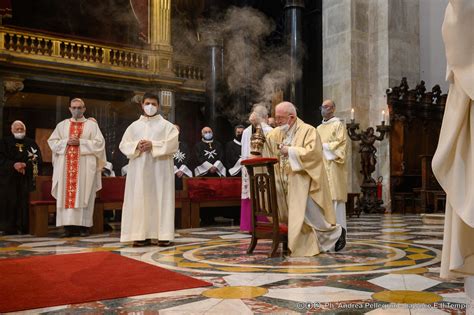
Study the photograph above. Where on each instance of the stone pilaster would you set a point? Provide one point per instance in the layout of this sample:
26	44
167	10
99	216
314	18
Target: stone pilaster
368	46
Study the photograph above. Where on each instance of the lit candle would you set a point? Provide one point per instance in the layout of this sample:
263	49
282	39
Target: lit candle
352	114
383	116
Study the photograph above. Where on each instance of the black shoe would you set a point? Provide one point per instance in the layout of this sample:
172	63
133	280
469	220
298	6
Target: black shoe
84	232
341	242
141	243
67	232
164	243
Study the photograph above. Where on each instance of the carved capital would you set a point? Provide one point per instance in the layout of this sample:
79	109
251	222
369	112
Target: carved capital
13	86
137	98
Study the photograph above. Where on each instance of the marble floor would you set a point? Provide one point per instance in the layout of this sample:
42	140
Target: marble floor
389	266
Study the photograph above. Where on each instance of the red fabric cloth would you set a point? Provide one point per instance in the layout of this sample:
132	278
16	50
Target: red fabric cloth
113	189
255	161
43	202
42	281
206	188
46	191
283	228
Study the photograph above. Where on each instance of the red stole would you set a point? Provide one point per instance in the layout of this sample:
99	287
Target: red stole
72	165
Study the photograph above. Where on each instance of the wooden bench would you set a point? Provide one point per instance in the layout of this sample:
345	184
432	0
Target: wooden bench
211	192
42	204
110	197
112	194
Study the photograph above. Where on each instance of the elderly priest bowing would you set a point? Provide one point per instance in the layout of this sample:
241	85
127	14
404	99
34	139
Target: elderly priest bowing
303	195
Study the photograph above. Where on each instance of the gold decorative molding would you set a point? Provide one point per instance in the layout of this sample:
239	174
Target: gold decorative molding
34	50
160	18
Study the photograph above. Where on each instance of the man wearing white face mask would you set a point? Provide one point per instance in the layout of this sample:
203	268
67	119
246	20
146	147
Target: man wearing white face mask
148	209
20	161
303	195
209	155
78	149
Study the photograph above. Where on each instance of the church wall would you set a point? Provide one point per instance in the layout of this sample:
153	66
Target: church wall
368	46
432	54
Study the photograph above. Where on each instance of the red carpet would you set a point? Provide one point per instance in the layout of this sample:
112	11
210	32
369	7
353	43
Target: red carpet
36	282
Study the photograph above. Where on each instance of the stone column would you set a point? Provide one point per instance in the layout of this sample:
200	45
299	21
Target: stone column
160	35
160	23
293	29
369	45
214	82
2	105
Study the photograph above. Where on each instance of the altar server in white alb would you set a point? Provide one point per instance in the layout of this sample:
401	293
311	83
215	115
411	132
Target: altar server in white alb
148	209
78	149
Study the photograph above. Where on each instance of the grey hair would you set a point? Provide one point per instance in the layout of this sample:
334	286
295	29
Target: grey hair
18	122
261	111
288	107
78	100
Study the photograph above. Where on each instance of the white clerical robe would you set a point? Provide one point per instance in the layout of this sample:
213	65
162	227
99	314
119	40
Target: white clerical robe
149	205
245	154
453	161
76	170
334	138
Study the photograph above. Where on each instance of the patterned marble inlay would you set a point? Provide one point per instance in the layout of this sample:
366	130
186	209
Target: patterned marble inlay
390	265
361	256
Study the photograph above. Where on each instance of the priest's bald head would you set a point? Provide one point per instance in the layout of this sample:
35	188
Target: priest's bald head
207	133
18	129
285	115
328	108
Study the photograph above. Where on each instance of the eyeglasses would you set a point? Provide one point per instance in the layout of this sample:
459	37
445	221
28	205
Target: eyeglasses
325	107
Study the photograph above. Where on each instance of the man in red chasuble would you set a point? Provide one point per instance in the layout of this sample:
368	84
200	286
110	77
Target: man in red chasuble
78	157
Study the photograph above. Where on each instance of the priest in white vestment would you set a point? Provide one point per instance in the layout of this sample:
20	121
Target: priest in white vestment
78	149
258	116
303	195
148	209
453	162
334	138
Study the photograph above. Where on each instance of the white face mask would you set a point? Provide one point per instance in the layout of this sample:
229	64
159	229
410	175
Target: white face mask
150	109
208	135
19	135
284	128
76	113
